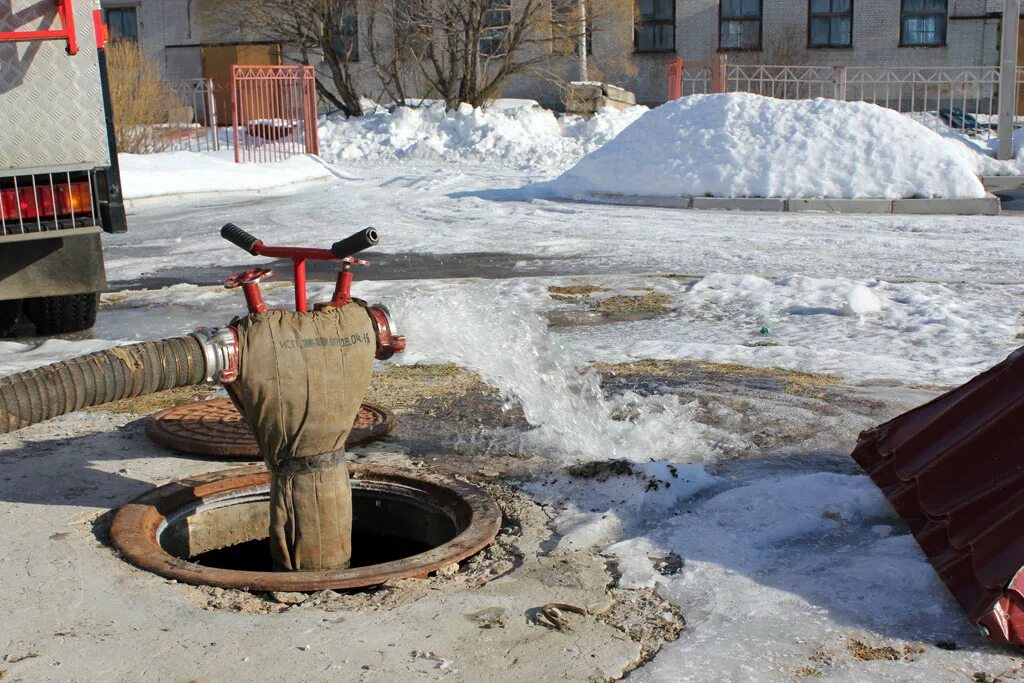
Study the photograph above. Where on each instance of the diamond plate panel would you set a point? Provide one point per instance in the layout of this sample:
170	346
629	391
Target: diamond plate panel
51	105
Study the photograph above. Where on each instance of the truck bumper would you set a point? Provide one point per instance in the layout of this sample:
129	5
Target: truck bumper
71	264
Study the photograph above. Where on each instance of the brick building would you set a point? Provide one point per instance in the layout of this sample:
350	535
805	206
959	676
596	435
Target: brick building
200	38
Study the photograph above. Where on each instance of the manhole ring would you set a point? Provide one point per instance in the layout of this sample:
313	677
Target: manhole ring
137	527
215	427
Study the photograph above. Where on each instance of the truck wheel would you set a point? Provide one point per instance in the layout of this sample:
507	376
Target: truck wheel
9	311
59	314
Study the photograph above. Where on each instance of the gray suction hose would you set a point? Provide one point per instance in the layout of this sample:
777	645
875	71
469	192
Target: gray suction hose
121	372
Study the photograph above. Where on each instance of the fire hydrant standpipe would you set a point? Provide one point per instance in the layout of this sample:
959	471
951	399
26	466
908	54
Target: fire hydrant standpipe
300	380
299	404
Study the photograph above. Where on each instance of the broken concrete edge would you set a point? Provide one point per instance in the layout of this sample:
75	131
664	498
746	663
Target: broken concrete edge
586	98
982	206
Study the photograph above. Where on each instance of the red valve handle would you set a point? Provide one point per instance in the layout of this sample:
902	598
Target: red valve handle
249	281
252	276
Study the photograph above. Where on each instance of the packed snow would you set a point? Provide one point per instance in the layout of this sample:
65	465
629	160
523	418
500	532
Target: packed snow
184	173
516	133
742	145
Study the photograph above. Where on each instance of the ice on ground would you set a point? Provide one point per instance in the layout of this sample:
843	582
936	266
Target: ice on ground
924	333
775	573
176	173
743	145
597	509
516	133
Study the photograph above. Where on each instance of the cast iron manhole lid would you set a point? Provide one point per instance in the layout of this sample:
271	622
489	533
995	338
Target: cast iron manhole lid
215	427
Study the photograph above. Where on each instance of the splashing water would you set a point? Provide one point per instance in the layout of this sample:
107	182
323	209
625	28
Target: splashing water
492	329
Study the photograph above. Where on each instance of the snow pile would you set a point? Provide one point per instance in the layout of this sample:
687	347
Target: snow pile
513	132
172	173
980	153
741	145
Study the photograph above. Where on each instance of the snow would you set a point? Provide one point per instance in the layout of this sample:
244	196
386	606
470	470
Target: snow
178	173
517	133
742	145
861	301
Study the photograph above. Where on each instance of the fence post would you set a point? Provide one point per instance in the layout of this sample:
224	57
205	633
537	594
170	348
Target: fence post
1008	78
234	113
719	72
309	81
675	79
211	114
839	83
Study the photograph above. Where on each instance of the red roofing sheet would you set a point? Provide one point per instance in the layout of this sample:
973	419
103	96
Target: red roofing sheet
953	468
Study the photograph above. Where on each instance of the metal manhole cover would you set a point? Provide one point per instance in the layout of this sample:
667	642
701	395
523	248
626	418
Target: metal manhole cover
168	529
215	427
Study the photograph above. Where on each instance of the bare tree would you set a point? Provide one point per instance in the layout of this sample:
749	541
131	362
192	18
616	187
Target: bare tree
467	50
327	29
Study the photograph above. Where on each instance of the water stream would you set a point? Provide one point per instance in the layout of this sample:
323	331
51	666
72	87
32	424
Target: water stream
497	330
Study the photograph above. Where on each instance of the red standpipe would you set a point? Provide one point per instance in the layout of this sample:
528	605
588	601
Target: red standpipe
298	256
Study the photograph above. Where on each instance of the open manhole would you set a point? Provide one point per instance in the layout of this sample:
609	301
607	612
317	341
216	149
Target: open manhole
215	427
212	529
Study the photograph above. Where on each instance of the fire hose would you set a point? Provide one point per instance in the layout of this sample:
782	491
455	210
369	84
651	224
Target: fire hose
297	377
205	356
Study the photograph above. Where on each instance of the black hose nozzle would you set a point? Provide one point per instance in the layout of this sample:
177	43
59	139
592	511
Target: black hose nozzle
364	239
240	238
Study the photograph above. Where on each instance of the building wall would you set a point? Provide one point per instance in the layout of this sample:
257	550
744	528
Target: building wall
171	30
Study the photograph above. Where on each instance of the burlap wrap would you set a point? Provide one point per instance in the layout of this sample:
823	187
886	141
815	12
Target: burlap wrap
301	380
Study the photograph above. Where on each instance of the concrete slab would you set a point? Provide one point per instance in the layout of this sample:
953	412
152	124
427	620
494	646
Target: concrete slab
840	205
740	203
986	206
635	200
995	183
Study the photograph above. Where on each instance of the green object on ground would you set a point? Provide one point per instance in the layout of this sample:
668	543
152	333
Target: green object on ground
765	330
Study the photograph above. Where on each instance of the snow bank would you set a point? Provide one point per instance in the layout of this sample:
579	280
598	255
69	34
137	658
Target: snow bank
979	153
512	132
741	145
171	173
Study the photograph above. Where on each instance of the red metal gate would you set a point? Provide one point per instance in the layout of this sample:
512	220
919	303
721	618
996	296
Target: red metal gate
273	111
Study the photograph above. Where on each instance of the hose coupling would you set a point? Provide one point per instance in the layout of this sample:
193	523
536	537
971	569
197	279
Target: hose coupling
220	347
388	341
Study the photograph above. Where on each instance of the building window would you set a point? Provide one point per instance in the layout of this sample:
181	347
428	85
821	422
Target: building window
565	28
497	19
739	25
830	23
346	33
654	28
122	23
923	23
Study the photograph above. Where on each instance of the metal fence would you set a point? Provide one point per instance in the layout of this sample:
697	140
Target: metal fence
196	127
273	112
963	99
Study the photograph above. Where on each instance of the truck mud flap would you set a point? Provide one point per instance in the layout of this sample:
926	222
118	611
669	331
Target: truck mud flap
953	469
65	264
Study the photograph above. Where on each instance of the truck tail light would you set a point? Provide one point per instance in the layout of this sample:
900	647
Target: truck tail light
45	201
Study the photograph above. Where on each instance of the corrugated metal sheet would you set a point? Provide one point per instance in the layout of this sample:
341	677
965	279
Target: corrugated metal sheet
954	470
51	102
